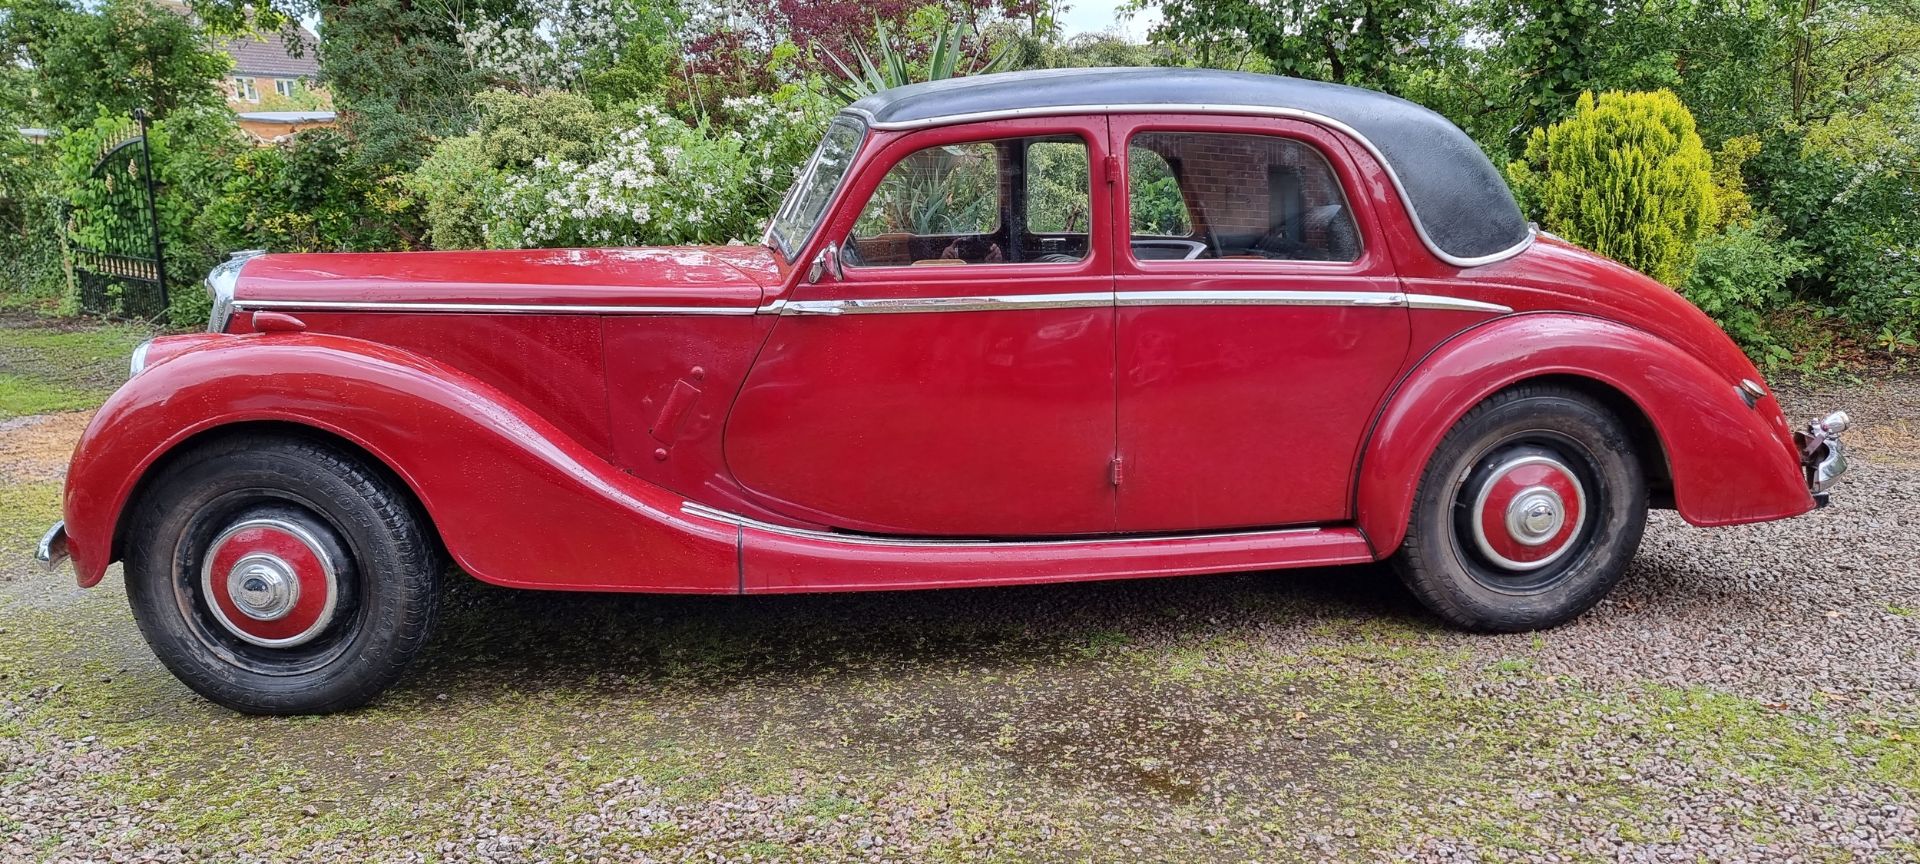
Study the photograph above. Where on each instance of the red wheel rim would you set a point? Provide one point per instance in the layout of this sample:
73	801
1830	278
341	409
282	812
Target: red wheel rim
1528	513
270	582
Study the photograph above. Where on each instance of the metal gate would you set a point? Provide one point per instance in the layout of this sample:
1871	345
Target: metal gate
114	241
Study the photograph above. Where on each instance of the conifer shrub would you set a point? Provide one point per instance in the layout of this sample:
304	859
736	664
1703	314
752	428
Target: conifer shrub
1626	176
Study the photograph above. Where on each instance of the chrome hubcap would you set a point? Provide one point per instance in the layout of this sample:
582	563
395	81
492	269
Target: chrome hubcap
263	587
271	582
1526	512
1535	515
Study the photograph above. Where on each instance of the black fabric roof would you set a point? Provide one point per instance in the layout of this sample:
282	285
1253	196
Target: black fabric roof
1460	201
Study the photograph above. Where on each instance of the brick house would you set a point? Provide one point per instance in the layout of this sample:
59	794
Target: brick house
262	68
262	65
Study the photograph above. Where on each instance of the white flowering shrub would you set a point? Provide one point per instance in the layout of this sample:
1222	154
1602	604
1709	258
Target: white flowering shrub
653	180
551	48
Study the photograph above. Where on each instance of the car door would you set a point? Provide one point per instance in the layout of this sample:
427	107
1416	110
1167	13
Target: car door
1259	322
955	378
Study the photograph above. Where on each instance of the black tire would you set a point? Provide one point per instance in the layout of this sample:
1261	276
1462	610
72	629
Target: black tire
361	588
1543	562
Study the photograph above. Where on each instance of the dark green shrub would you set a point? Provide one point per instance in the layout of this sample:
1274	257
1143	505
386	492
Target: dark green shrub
310	194
32	272
1741	274
1859	222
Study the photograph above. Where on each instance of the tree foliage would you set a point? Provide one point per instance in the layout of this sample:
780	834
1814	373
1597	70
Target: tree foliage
110	57
1626	176
1358	42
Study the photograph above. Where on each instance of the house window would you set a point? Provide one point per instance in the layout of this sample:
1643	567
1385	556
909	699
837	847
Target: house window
246	89
284	87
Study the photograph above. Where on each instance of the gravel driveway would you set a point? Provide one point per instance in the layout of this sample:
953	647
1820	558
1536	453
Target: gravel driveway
1749	694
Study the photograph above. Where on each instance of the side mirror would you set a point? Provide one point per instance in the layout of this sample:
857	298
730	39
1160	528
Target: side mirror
825	263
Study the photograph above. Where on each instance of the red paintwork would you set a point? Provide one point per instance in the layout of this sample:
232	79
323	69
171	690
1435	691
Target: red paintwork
970	424
1212	438
680	276
556	449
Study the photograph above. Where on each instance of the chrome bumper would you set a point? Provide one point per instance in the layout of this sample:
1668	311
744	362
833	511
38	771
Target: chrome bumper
1822	455
53	546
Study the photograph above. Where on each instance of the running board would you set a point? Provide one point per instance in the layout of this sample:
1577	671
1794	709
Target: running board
778	559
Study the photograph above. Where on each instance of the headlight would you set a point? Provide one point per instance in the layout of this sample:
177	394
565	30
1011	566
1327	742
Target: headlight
139	361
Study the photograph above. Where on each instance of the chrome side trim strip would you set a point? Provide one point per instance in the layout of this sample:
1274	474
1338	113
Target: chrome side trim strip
702	511
898	305
1215	108
1261	298
985	303
489	308
1454	304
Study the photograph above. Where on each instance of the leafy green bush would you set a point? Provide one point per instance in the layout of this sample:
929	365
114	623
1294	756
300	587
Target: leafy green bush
193	151
463	177
1859	222
31	268
1741	275
116	56
1626	176
308	194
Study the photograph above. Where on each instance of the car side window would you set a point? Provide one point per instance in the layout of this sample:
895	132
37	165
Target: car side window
1198	195
1010	201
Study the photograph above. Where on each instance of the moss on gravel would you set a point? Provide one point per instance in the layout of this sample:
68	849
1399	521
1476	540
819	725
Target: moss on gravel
26	510
68	357
1373	736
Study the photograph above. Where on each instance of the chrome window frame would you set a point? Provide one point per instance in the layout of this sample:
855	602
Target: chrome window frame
1228	109
772	237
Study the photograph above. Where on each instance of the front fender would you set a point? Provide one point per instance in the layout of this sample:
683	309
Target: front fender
516	501
1730	463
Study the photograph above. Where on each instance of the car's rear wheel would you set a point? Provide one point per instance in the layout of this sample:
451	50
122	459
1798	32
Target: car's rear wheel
1528	513
280	575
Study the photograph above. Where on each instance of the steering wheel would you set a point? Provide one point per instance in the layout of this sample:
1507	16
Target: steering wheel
1213	242
1287	248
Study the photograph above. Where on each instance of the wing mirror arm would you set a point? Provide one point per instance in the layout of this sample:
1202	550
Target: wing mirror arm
827	263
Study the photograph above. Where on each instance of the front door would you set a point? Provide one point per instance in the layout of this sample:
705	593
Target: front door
957	379
1259	323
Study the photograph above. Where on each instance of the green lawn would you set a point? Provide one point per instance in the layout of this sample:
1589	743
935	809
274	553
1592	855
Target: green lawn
48	366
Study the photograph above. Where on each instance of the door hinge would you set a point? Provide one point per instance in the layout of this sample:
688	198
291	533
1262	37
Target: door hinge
1113	169
1114	470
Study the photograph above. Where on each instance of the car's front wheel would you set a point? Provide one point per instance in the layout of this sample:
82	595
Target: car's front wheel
280	574
1527	514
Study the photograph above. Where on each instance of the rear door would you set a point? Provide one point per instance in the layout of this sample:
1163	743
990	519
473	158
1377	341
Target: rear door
1259	322
957	380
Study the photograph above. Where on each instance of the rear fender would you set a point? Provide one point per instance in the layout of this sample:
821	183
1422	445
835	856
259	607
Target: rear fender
1730	463
516	501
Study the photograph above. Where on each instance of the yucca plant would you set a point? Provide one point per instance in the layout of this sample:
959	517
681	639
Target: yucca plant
892	68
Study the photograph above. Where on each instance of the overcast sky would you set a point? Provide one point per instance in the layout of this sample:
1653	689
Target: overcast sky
1095	16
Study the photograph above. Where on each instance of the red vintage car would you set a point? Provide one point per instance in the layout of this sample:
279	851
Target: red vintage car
1019	328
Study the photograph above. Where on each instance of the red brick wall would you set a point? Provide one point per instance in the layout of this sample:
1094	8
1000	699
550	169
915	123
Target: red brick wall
1224	177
